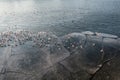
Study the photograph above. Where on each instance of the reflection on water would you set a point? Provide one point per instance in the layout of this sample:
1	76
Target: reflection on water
61	16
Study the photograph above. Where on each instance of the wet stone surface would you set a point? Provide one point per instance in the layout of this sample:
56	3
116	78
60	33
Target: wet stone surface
25	55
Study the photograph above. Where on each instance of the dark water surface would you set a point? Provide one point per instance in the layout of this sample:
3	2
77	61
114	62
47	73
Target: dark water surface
61	16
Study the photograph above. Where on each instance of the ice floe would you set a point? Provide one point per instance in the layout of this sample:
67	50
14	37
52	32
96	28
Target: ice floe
42	53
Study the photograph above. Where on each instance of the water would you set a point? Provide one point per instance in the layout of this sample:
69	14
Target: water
61	16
